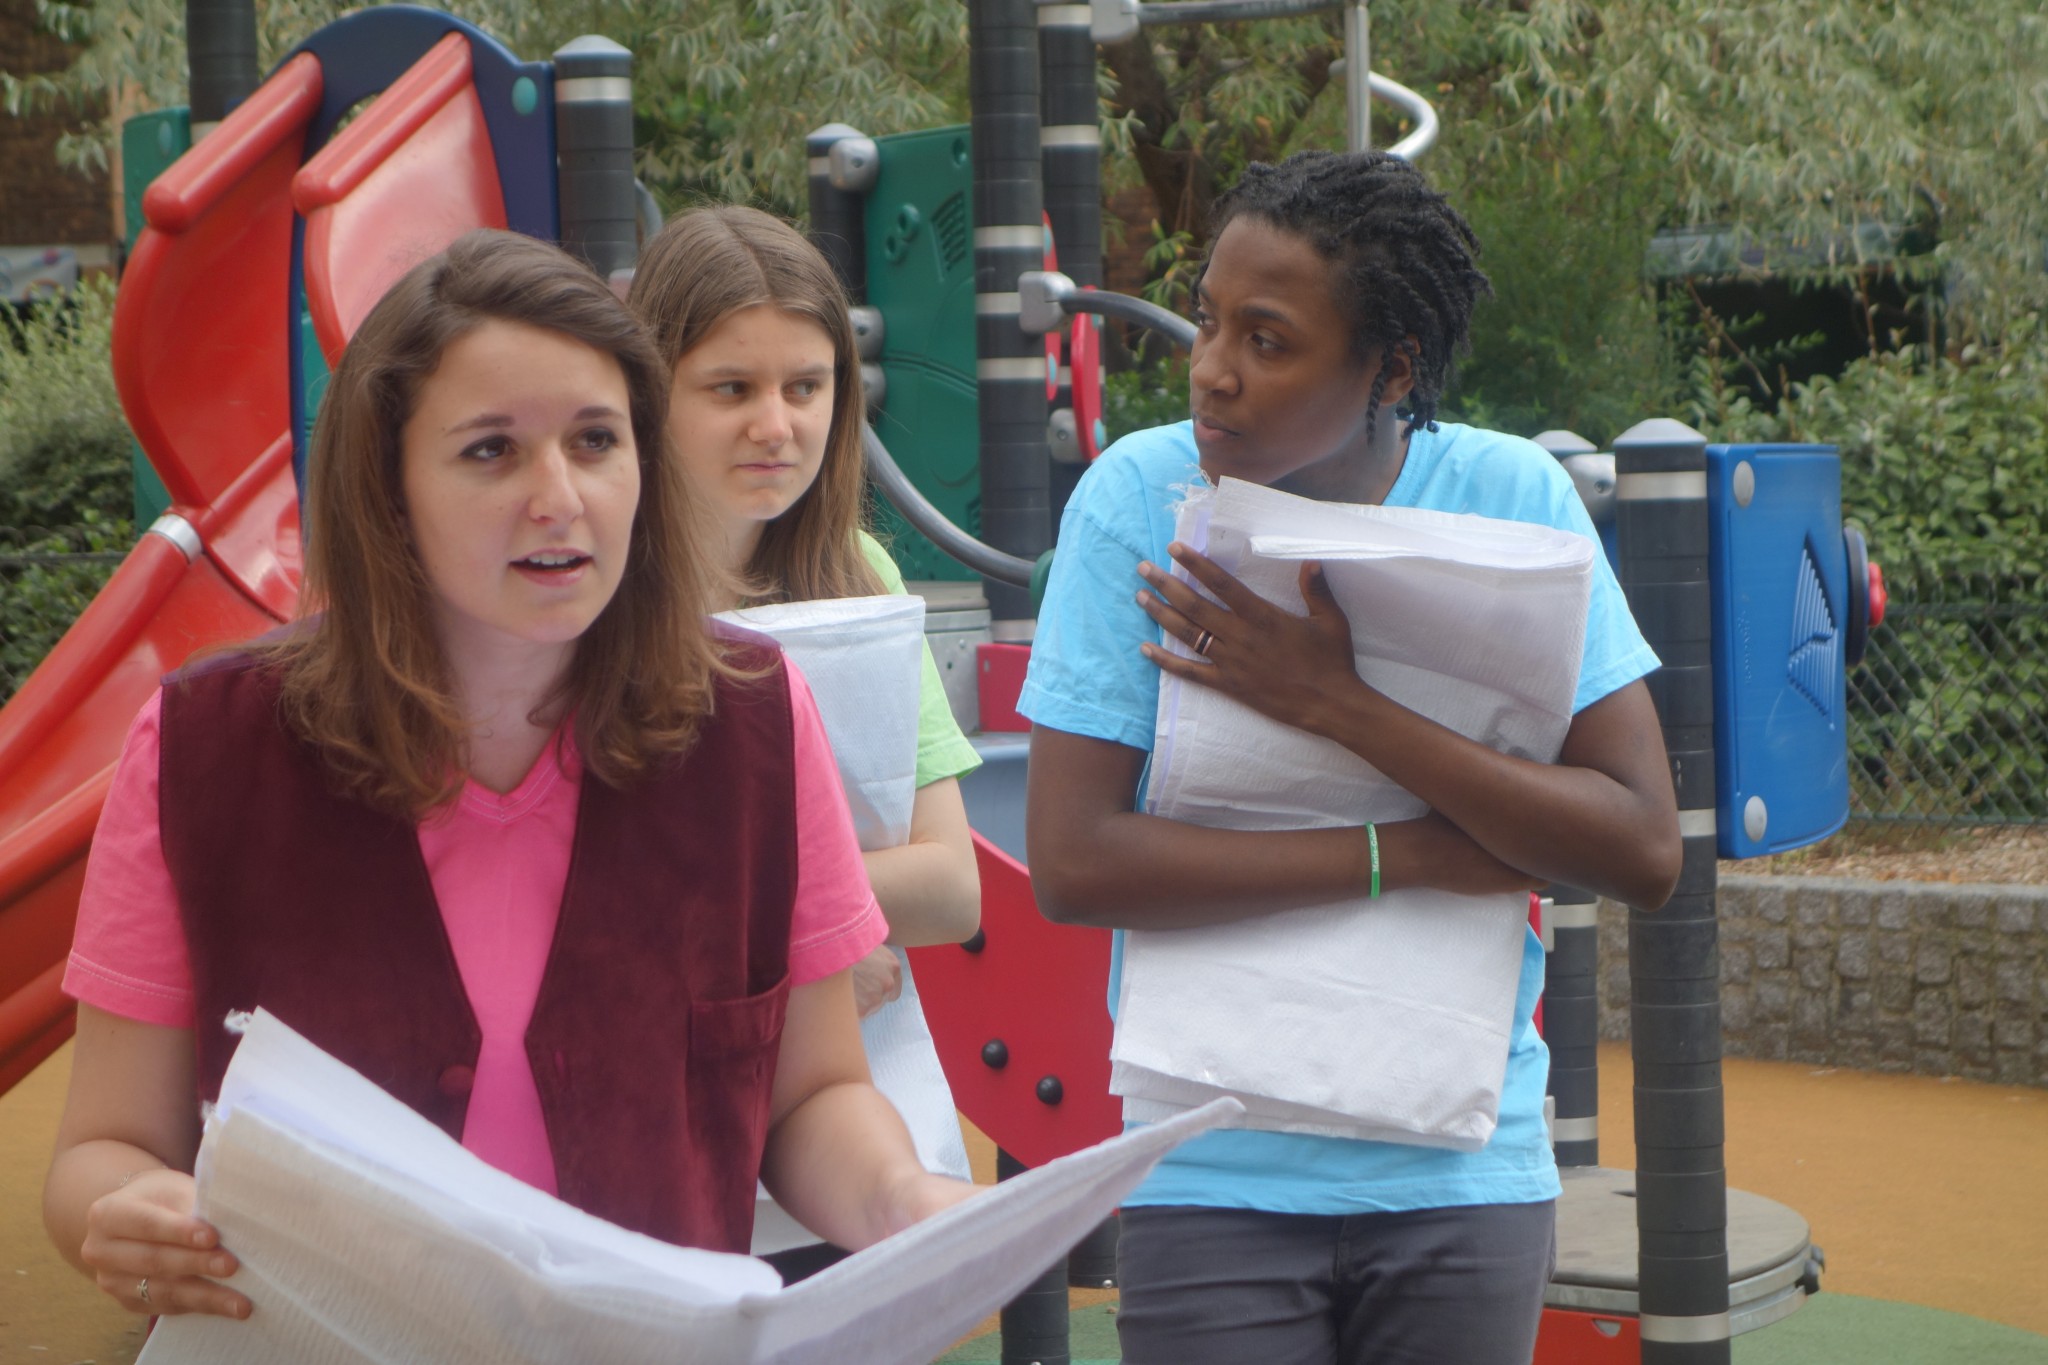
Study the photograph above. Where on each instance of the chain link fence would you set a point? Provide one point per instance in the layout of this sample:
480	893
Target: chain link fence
1948	713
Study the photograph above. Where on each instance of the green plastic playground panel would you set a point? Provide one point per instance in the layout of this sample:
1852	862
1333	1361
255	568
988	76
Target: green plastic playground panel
149	144
920	261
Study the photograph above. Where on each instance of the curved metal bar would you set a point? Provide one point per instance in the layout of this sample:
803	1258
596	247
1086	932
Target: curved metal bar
1421	110
1172	326
932	523
1236	11
1227	11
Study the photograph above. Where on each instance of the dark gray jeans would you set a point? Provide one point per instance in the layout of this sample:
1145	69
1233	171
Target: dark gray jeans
1457	1286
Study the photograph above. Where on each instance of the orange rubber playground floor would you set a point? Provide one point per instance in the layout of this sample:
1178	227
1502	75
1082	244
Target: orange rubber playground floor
1922	1191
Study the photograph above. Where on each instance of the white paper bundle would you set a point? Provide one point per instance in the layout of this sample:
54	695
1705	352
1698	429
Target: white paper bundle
368	1237
1387	1019
862	657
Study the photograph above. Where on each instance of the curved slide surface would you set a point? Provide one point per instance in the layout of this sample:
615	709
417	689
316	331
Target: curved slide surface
202	360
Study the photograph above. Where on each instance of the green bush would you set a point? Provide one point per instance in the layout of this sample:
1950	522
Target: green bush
64	446
65	473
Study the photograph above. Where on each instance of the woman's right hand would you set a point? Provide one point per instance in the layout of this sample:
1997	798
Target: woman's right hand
142	1239
877	979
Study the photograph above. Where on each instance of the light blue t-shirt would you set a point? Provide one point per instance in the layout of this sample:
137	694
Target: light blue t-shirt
1088	678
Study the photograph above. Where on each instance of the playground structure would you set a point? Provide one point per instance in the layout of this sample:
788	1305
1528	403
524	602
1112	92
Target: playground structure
266	243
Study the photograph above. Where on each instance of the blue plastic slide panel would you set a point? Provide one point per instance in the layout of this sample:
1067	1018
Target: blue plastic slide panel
1780	593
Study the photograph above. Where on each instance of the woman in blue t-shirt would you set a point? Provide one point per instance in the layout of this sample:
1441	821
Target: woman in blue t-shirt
1337	291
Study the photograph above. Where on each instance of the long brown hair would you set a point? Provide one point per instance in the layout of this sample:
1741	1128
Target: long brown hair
699	270
365	679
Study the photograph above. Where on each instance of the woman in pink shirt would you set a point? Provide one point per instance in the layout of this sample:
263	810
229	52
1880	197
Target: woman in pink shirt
500	822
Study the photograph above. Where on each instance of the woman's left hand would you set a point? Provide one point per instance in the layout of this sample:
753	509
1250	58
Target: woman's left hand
1290	668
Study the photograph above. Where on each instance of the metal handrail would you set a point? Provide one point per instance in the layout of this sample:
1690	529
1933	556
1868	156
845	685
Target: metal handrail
1167	323
933	524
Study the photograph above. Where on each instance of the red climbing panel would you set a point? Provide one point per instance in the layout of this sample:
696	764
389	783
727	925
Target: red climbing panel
1041	991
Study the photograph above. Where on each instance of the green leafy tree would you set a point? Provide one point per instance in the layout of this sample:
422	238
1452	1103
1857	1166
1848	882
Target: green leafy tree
1573	129
725	90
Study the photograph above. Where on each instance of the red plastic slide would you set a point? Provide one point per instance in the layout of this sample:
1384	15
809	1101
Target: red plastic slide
202	363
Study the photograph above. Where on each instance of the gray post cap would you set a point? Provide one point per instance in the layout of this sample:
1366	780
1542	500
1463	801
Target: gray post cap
1660	431
819	140
853	164
1561	443
593	55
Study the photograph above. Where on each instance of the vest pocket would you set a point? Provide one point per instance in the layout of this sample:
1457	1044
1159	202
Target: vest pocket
733	1046
730	1029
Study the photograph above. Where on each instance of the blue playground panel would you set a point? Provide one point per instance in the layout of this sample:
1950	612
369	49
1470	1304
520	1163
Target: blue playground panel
1780	605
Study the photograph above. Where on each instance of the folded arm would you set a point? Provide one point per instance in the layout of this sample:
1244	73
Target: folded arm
929	887
1603	817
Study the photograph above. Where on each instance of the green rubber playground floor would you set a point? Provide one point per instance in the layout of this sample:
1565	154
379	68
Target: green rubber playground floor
1832	1329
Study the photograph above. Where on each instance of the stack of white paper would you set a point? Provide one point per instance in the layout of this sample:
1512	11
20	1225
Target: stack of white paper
862	657
369	1237
1387	1020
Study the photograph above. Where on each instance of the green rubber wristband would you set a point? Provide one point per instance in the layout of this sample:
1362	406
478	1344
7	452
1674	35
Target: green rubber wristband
1372	837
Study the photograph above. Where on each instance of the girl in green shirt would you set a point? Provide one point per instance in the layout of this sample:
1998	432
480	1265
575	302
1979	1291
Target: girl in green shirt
765	418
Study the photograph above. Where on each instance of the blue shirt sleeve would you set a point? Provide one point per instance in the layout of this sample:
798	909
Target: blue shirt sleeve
1087	676
1615	652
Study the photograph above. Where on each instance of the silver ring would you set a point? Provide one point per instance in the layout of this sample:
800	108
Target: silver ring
142	1289
1202	643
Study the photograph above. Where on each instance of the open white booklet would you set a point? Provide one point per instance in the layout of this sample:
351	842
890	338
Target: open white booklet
367	1235
1386	1020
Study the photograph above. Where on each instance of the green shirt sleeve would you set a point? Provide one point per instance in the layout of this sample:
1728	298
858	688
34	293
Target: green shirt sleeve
942	751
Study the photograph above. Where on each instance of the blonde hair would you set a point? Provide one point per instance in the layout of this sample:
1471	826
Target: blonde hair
699	270
366	680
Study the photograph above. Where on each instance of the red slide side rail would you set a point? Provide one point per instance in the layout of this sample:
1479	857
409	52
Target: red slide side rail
413	172
276	114
201	349
380	130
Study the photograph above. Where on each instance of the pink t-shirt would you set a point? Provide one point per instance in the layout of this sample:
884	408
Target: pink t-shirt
498	864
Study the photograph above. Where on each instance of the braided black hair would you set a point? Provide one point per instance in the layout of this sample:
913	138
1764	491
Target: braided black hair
1408	257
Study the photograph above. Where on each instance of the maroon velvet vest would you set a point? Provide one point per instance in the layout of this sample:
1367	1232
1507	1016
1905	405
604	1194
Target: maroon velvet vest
654	1037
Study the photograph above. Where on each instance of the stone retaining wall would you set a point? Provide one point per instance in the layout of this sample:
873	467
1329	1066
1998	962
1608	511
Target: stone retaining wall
1944	980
